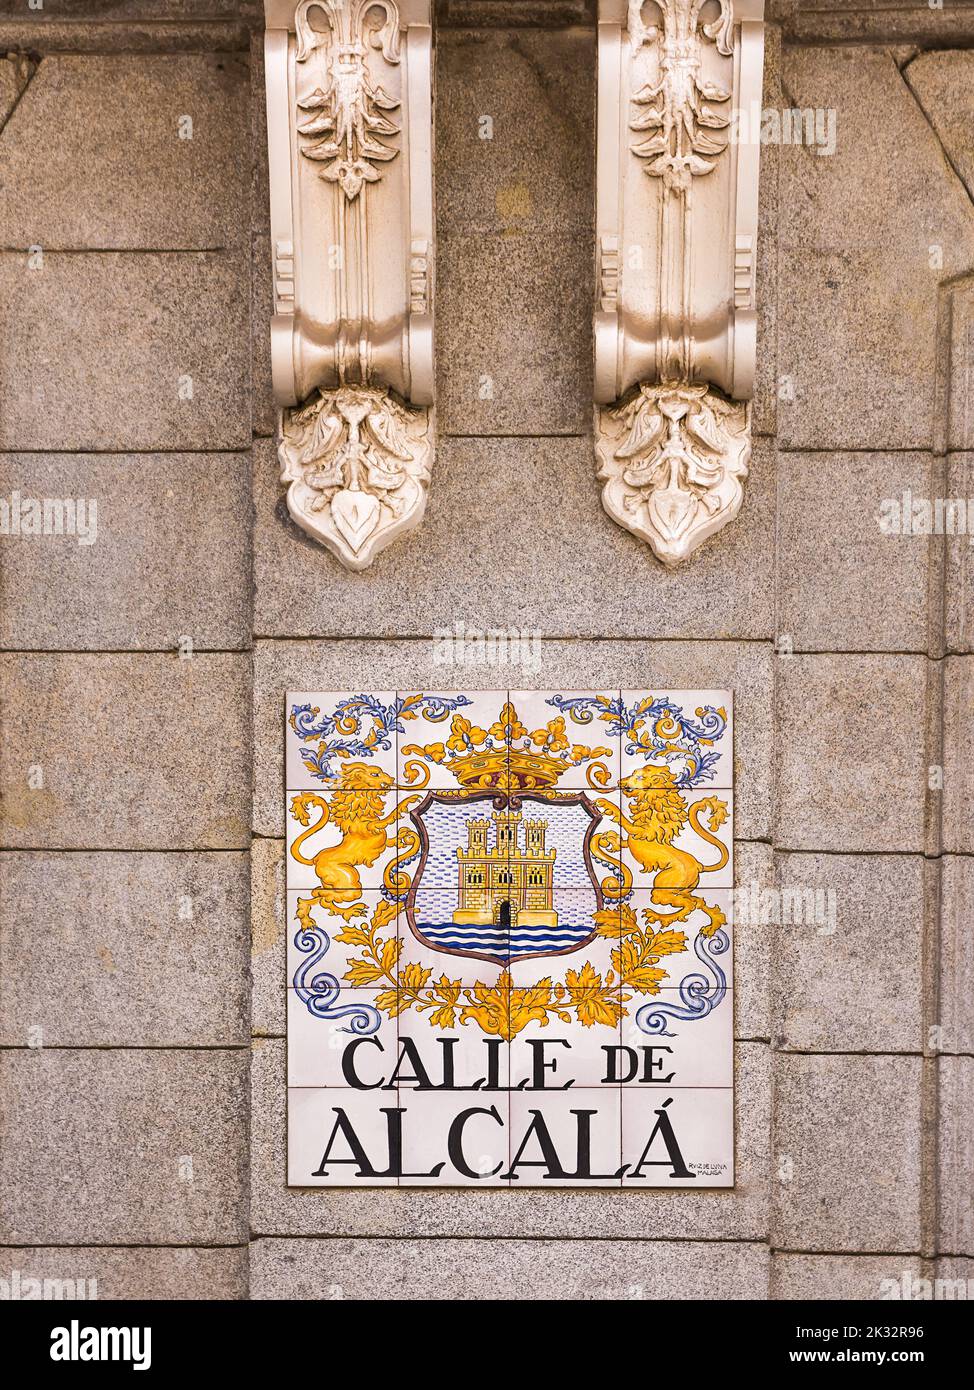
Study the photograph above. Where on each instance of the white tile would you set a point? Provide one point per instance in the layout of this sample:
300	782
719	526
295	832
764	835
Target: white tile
354	953
692	1051
439	1049
572	735
336	841
457	1011
560	828
570	1054
576	913
355	1046
566	1138
434	944
446	732
687	1136
694	726
348	1128
317	723
454	1140
706	836
702	953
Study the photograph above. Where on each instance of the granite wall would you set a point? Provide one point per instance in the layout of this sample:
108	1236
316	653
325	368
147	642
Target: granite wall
141	928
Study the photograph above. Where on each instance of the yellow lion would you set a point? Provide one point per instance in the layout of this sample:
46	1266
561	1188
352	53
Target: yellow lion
657	814
355	808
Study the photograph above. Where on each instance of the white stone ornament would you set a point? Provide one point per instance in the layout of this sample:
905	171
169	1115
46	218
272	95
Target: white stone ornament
349	117
357	463
675	323
673	459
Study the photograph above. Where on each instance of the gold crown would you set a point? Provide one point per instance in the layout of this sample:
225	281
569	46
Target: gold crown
507	756
507	769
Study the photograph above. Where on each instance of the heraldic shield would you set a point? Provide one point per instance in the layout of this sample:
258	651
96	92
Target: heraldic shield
485	884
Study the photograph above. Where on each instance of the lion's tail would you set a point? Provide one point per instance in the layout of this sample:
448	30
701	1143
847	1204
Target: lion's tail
718	814
606	847
299	809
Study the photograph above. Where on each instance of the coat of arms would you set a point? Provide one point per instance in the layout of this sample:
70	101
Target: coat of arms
469	846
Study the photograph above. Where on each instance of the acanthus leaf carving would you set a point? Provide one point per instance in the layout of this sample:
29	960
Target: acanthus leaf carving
673	459
675	347
351	200
356	461
350	114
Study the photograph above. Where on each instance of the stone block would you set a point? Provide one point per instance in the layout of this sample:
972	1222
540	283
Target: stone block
114	352
126	10
123	751
515	132
515	1270
844	981
831	1278
168	558
127	170
514	334
127	1273
956	1014
868	234
14	76
852	767
958	795
269	929
955	1225
100	950
843	580
959	559
753	873
764	407
847	1153
123	1147
943	84
515	214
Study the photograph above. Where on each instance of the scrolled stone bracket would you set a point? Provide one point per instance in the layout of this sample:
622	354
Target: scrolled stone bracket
349	126
675	320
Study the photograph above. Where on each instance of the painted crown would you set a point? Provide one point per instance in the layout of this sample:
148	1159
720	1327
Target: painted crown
507	756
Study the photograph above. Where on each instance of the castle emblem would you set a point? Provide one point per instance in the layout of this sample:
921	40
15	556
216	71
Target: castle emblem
505	881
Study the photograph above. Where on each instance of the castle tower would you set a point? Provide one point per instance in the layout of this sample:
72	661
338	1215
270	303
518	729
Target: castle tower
534	833
477	836
508	825
501	882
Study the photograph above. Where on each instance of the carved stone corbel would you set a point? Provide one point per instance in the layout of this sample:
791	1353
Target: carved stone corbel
675	325
349	126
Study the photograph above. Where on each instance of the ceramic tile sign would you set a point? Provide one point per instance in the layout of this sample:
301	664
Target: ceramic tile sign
509	928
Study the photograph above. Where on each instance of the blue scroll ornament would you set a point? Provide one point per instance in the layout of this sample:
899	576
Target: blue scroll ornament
700	994
320	993
690	740
346	722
